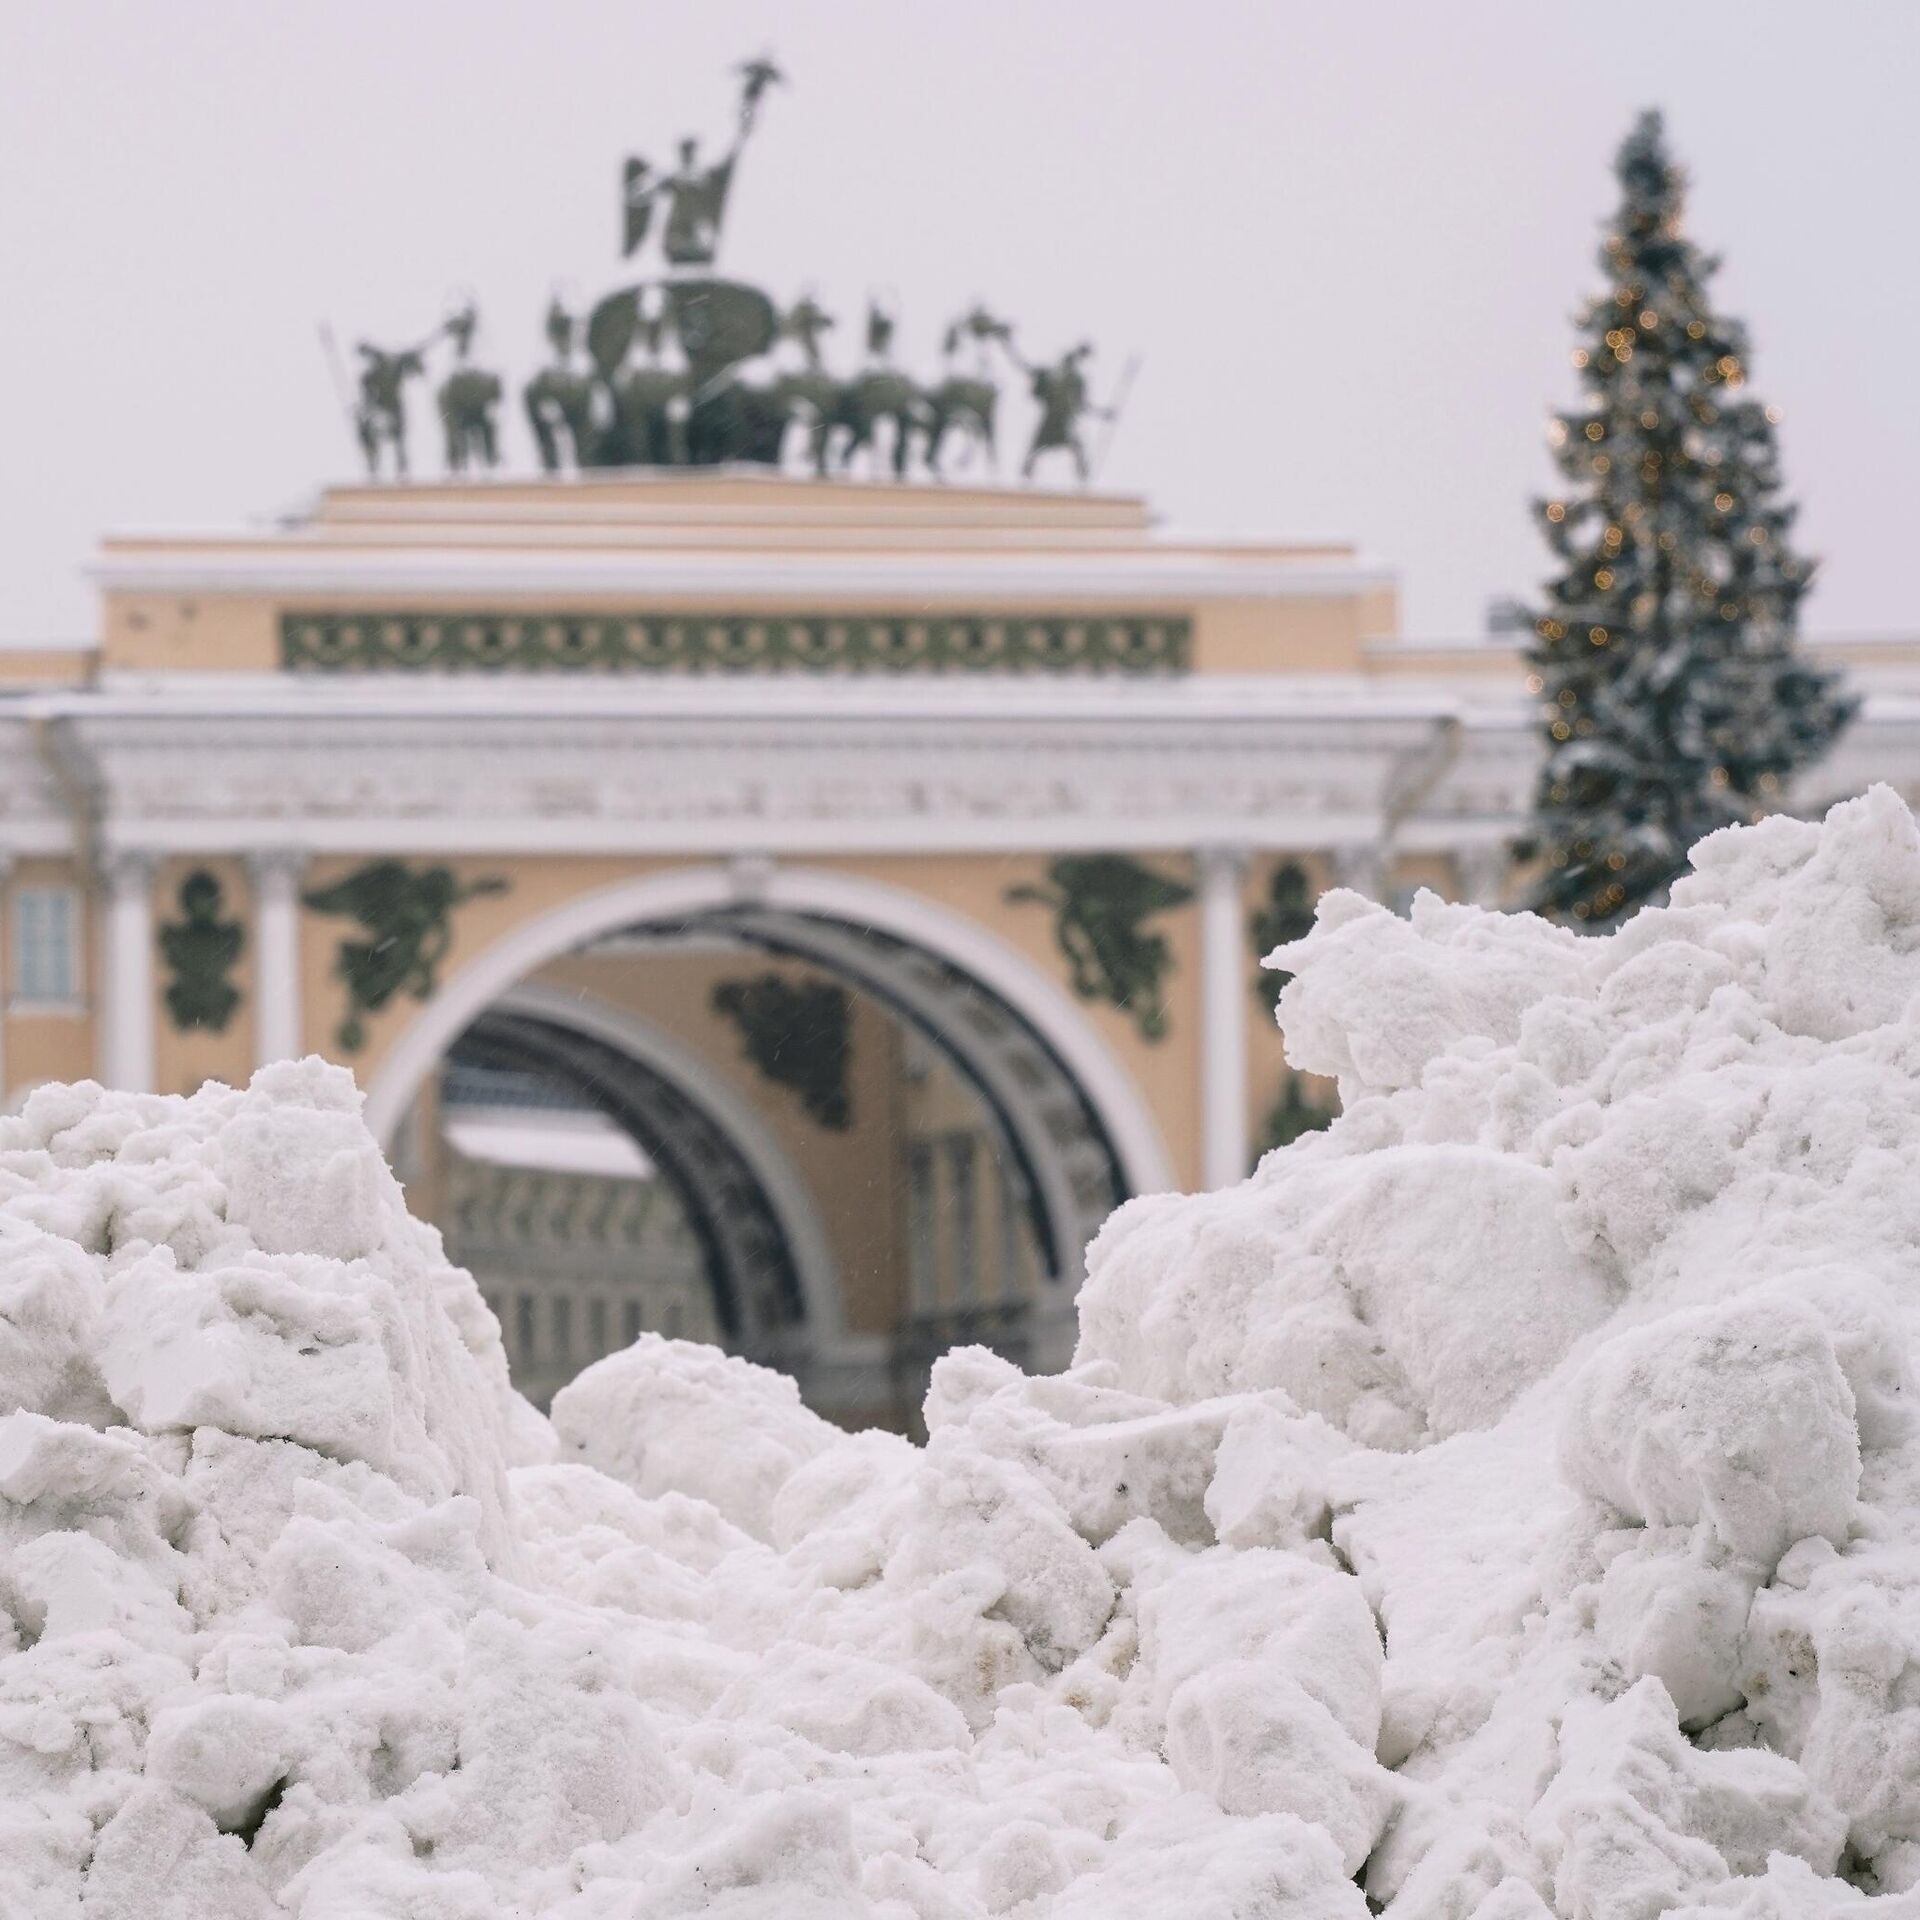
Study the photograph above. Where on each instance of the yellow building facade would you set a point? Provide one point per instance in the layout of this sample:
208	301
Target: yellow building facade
824	901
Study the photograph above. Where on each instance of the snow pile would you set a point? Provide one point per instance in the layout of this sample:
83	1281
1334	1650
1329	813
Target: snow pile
1506	1504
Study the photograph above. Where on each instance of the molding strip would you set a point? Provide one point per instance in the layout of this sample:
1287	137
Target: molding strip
415	641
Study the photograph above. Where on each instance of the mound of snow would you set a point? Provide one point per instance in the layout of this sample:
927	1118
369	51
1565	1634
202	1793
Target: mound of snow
1505	1504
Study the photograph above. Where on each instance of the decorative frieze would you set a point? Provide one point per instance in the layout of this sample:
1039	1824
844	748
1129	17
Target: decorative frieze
411	641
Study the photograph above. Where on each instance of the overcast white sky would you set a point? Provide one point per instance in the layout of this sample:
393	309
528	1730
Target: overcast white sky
1346	239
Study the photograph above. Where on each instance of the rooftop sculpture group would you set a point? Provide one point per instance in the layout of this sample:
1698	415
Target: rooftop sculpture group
685	368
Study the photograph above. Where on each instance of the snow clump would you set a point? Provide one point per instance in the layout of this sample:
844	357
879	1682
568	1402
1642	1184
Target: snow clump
1505	1504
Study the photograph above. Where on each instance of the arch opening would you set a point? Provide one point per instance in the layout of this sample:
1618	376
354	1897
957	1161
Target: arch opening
948	1197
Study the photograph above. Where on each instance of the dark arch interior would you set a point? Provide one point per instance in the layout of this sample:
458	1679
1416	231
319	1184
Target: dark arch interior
986	1124
749	1263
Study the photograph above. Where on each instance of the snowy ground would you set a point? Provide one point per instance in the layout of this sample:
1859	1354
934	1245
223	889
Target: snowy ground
1505	1504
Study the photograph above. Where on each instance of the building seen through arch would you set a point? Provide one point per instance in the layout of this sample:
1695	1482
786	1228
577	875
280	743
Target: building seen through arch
822	1147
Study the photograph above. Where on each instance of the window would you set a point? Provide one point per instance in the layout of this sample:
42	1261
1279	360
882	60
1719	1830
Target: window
46	946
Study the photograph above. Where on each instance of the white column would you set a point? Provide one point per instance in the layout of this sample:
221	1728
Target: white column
1362	867
276	955
1484	873
1226	986
126	1038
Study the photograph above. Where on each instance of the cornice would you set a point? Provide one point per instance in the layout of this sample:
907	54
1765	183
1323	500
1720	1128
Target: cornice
1116	578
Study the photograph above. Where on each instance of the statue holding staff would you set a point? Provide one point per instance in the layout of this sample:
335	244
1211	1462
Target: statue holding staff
380	413
467	399
559	399
1064	401
695	195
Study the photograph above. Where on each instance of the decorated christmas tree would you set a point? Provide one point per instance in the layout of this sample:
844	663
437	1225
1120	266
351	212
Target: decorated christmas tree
1664	651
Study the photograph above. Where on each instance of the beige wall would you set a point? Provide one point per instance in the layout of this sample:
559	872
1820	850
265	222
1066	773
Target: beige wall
32	669
1320	635
161	633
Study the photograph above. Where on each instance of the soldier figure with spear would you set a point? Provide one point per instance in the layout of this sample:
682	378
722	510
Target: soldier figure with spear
1061	390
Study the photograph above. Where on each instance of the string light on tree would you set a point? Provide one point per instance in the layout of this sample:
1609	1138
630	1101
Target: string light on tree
1663	653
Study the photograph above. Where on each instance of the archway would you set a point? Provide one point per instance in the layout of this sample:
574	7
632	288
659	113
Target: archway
1070	1137
776	1254
681	896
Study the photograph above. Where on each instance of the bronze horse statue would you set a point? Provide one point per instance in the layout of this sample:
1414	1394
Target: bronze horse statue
559	399
869	400
963	406
467	398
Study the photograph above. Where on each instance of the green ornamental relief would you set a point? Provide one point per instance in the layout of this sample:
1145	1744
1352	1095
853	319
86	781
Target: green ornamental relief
490	641
1286	916
1101	903
200	949
407	914
799	1036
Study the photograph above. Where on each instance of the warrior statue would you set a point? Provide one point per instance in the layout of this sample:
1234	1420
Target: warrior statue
881	394
1061	391
559	399
467	398
380	416
809	396
696	195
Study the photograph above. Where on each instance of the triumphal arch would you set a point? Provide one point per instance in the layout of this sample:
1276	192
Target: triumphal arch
824	901
768	890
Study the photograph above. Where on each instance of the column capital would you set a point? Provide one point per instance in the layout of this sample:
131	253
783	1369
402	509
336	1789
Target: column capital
1220	860
1362	867
266	865
1484	873
128	868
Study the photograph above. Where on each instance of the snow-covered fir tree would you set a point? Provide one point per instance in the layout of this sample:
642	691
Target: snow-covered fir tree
1664	651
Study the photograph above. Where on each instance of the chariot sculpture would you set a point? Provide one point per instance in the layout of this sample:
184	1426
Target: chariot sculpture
682	366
